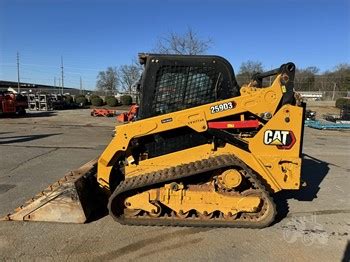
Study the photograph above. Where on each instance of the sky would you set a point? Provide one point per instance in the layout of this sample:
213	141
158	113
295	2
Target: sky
92	35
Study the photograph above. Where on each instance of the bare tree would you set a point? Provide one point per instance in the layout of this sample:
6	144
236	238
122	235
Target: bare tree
129	75
188	43
247	70
305	78
342	67
336	81
107	81
250	67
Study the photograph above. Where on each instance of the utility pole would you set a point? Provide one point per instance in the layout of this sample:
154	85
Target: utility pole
54	83
62	73
81	86
18	84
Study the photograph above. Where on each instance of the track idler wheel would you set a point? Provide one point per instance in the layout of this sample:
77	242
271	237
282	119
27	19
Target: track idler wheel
229	179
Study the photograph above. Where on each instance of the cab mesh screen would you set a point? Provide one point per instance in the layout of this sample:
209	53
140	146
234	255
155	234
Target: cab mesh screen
181	87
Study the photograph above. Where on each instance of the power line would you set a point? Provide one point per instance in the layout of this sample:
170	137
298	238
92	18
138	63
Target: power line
83	68
8	64
46	66
39	65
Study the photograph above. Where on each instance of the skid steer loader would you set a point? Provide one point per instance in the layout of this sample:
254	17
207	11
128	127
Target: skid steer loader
203	151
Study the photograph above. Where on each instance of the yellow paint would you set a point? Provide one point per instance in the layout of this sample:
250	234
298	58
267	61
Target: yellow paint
280	168
183	200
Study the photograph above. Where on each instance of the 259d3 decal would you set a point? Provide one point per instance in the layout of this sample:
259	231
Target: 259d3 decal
283	139
222	107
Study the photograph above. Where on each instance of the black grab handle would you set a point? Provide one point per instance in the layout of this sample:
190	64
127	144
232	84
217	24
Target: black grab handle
288	68
287	80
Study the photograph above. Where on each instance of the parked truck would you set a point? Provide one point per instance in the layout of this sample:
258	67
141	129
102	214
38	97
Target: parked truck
12	104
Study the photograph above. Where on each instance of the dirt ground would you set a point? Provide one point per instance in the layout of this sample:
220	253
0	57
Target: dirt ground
38	149
322	108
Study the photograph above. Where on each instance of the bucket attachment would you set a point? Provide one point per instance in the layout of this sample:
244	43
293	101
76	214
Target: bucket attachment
73	199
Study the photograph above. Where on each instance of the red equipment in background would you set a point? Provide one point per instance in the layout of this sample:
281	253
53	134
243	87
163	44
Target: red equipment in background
11	103
128	116
102	112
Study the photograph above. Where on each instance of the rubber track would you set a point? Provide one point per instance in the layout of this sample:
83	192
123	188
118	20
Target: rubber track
183	171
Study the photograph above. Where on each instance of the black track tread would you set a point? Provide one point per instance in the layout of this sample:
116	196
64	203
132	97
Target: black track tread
183	171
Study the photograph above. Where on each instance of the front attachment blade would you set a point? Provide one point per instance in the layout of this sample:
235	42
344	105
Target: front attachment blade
73	199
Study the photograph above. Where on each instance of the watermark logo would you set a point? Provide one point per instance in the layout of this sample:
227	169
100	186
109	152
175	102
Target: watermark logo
305	229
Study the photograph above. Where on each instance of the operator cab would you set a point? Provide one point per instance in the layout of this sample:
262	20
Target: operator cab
175	82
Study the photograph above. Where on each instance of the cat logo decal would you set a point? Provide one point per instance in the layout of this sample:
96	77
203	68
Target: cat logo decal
283	139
